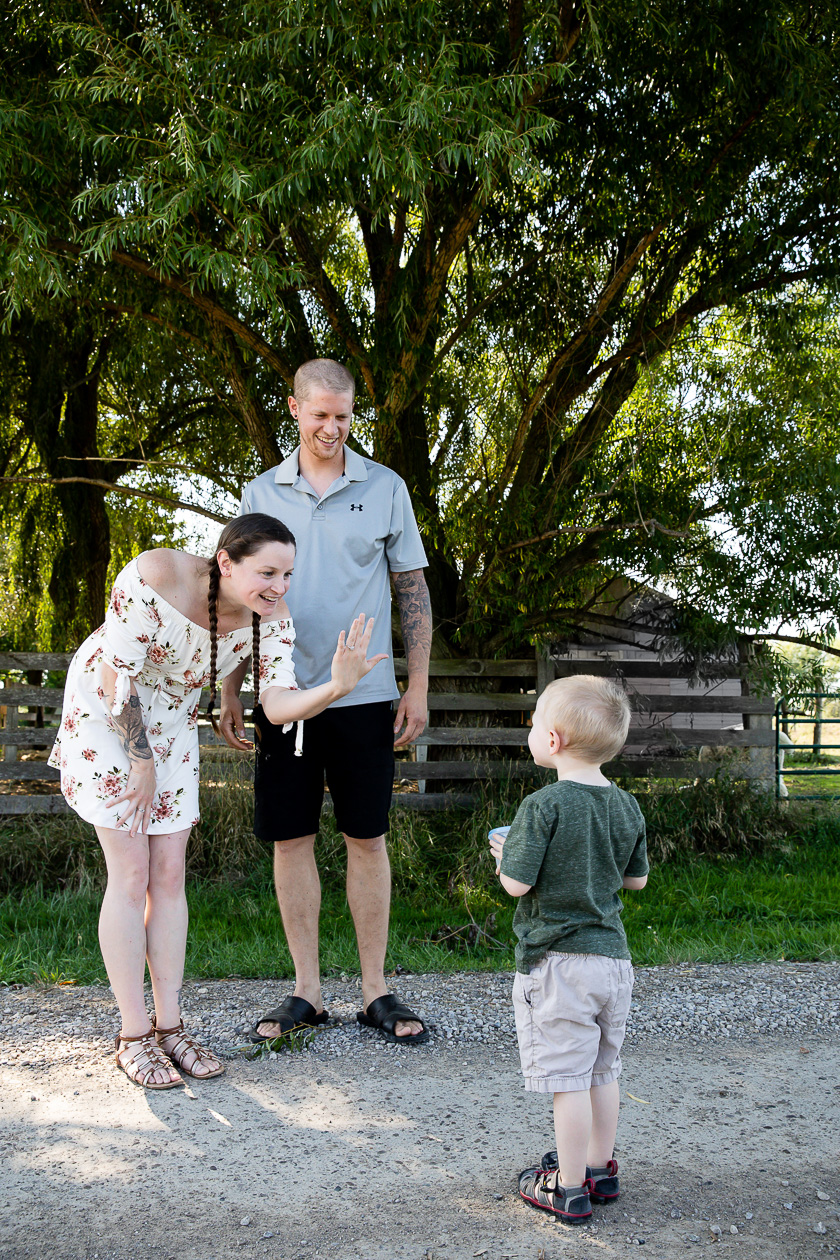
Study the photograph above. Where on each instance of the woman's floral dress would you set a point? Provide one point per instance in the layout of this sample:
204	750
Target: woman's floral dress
168	656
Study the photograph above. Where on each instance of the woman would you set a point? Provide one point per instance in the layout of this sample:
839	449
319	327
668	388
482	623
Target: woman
127	749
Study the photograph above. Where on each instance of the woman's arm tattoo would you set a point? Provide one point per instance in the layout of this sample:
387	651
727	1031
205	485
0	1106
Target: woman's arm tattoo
415	617
130	725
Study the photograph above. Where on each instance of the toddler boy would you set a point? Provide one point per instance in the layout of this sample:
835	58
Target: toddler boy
571	848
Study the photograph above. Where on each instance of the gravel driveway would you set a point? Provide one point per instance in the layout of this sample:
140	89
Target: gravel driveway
353	1148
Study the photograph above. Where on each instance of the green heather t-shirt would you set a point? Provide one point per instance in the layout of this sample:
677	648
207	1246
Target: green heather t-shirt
573	843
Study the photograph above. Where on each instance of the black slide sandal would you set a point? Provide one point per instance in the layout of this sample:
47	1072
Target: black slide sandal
384	1013
292	1014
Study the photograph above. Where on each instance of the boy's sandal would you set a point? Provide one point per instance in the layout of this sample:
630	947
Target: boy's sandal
185	1044
605	1185
144	1061
384	1013
293	1014
571	1206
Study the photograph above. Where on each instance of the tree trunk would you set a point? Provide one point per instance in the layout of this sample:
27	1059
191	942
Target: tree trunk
819	703
64	365
402	444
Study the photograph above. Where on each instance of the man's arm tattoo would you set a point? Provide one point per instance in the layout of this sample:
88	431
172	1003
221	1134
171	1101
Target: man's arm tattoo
415	616
130	725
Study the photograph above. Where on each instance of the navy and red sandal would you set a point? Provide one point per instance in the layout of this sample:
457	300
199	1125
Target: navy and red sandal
573	1207
605	1180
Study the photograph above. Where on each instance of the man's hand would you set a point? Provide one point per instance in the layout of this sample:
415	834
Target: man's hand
232	724
411	714
232	715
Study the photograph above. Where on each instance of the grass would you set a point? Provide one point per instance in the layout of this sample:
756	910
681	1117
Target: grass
733	878
825	786
801	756
52	937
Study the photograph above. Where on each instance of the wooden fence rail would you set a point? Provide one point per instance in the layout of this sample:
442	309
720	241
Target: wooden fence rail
478	728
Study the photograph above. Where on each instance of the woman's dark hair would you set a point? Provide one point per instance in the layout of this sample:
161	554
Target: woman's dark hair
240	538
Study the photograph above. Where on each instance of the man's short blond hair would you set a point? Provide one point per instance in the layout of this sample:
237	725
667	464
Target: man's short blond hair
593	714
322	374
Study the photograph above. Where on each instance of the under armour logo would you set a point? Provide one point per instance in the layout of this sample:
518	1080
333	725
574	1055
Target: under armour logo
355	507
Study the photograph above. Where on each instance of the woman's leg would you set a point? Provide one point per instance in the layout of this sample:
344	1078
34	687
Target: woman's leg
166	943
122	932
166	923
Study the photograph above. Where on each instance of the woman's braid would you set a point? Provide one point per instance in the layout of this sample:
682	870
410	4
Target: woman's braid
212	596
256	657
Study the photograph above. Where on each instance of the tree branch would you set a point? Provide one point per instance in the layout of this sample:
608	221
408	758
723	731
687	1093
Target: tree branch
650	526
135	312
110	486
436	272
593	324
254	419
289	296
333	303
480	307
665	333
804	641
211	309
135	457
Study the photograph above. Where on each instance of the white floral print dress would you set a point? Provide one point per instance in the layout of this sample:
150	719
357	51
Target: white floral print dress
168	656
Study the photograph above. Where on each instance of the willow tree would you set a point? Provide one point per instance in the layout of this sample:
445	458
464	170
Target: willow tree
94	453
500	215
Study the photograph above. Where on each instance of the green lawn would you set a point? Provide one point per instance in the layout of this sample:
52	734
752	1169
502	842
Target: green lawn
825	786
780	905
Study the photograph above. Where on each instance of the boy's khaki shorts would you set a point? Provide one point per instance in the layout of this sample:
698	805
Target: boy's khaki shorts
571	1015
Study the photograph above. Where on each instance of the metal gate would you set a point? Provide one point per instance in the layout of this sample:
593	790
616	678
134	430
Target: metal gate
782	748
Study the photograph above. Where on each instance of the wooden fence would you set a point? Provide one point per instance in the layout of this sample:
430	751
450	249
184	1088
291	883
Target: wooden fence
477	731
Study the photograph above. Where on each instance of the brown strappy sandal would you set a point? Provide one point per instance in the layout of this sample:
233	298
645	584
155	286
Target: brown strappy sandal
183	1045
149	1058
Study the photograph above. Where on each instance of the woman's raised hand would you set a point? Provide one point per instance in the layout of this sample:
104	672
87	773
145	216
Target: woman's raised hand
350	663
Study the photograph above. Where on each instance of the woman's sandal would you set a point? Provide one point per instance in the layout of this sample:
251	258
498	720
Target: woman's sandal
145	1061
178	1053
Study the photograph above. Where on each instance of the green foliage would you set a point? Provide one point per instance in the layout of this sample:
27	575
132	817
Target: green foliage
432	855
715	817
293	1043
86	432
801	671
580	258
777	901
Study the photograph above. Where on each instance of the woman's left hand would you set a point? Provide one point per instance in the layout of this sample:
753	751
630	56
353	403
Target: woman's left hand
350	663
139	795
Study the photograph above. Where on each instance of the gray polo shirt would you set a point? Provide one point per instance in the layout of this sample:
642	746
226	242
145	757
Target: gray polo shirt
348	541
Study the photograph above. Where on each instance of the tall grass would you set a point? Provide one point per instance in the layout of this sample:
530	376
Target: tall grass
733	877
431	854
717	817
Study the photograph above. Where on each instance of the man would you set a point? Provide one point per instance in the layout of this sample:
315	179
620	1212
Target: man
354	526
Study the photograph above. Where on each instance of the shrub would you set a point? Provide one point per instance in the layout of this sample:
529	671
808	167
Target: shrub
432	855
717	817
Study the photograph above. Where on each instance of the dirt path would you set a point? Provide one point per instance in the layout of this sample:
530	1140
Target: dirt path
373	1155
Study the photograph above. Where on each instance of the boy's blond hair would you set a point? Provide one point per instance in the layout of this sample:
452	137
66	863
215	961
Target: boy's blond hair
593	714
322	374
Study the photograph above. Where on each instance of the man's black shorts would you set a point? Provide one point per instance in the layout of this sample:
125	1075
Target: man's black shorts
352	746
